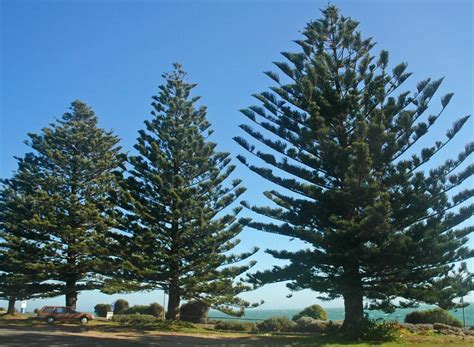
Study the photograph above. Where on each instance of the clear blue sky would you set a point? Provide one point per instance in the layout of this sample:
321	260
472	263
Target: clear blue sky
111	54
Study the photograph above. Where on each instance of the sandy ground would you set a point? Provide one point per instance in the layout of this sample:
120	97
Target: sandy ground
39	336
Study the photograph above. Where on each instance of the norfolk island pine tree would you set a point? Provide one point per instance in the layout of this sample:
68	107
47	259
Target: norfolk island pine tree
19	279
61	209
378	227
177	224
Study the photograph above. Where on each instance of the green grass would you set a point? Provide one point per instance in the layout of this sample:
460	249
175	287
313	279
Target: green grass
102	326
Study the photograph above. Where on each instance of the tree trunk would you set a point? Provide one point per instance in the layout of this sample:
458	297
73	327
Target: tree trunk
353	298
173	304
11	305
71	294
353	310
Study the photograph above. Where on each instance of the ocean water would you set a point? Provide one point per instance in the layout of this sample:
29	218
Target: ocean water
338	314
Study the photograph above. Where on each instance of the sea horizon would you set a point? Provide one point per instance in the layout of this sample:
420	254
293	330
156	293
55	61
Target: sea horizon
336	313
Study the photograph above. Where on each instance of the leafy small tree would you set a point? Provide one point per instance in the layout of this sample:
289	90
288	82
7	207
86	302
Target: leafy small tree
313	311
194	311
177	228
102	309
62	212
120	306
354	189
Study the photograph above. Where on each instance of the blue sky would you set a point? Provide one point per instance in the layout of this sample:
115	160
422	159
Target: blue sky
111	54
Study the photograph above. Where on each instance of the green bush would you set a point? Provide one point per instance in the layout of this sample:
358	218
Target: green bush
374	330
313	311
435	315
134	319
2	309
276	324
153	309
120	306
235	326
102	309
310	325
194	311
136	309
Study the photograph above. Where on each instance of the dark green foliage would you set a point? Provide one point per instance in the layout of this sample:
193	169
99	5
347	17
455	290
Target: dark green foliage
58	212
235	326
194	311
177	229
435	315
313	311
102	309
153	309
339	140
20	278
134	319
136	309
275	324
373	330
120	306
456	285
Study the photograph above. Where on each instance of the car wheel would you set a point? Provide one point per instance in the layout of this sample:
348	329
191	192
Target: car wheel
84	320
50	320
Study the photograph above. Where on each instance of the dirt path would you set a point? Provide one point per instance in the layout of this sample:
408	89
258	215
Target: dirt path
46	337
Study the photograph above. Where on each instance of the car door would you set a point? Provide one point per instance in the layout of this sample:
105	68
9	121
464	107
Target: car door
60	314
70	314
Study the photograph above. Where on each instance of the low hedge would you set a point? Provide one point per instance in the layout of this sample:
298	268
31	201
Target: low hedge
310	325
275	324
435	315
153	309
134	319
235	326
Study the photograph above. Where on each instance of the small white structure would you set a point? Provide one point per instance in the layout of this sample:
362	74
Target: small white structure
23	306
109	315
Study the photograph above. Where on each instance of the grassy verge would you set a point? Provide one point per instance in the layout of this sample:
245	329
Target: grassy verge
186	329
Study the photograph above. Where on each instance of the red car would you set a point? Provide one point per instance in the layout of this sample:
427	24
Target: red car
52	314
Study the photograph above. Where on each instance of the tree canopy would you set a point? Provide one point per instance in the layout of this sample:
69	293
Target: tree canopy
59	208
178	225
338	141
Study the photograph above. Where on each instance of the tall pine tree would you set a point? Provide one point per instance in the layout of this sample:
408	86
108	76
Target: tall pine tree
178	222
19	278
378	225
66	183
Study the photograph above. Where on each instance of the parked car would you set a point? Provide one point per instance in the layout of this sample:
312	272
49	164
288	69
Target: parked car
52	314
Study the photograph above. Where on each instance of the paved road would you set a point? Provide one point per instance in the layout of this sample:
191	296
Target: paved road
46	337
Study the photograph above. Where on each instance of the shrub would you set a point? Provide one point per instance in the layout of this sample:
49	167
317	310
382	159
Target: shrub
374	330
310	325
136	309
2	309
436	315
276	324
153	309
120	306
313	311
134	319
194	311
102	309
235	326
